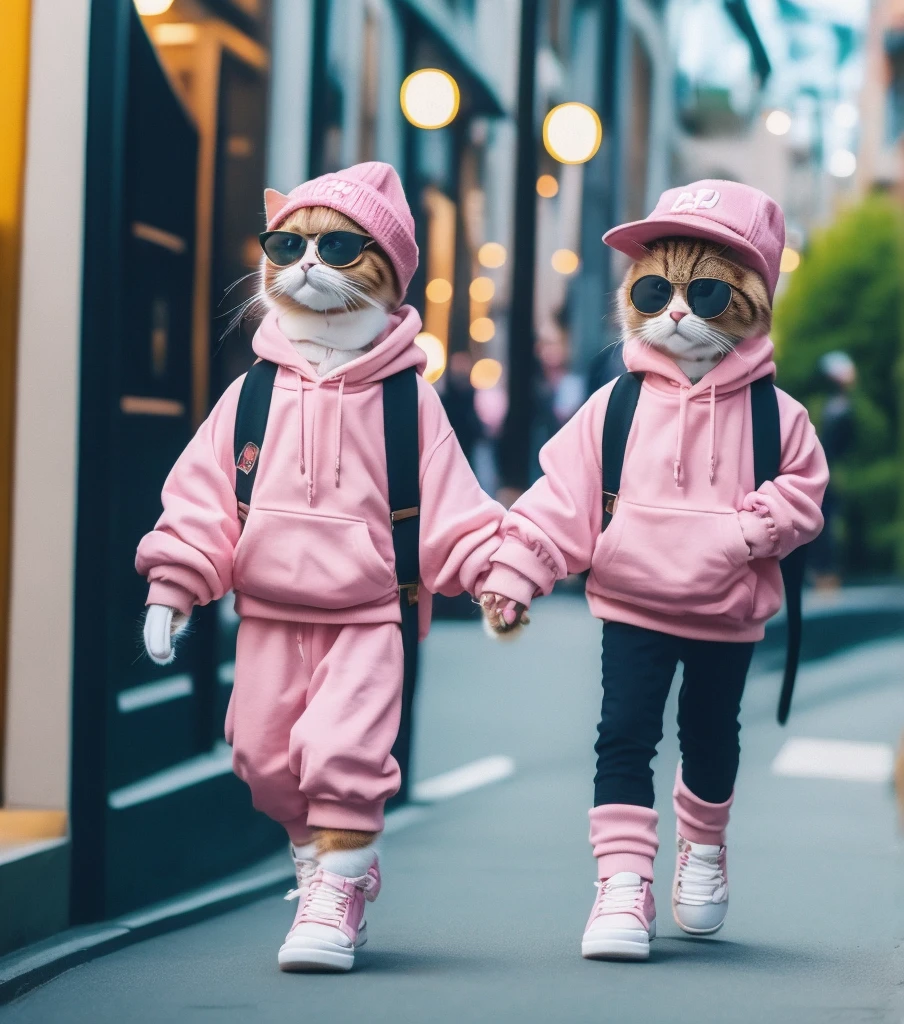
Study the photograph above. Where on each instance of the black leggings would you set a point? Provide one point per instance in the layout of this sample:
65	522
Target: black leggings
638	667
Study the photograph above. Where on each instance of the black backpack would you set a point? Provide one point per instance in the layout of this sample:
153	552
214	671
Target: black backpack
400	425
767	454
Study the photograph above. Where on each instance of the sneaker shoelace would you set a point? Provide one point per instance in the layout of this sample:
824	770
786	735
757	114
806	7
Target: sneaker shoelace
304	872
700	878
324	905
617	899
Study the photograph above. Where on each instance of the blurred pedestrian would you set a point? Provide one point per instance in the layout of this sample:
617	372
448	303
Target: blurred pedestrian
458	401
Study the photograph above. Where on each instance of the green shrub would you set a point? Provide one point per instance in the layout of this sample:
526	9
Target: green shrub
848	295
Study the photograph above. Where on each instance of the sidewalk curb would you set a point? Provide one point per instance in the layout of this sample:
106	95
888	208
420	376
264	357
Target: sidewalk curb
23	971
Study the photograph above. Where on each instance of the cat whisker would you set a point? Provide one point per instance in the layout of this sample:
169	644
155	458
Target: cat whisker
235	285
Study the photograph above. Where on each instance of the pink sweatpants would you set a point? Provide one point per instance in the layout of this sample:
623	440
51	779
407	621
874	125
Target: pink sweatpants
312	720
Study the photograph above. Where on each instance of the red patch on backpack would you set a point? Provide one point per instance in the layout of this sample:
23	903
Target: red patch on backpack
248	457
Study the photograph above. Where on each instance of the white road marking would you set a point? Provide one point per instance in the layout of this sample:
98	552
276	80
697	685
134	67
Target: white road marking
401	818
835	759
461	780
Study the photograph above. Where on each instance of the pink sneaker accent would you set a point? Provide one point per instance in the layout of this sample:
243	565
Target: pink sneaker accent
623	919
700	888
329	925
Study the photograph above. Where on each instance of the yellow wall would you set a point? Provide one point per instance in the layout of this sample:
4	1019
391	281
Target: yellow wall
14	36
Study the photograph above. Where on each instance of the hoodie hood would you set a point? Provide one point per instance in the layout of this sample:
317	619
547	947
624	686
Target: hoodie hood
390	352
750	360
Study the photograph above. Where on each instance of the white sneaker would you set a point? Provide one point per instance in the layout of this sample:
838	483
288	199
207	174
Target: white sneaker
329	926
623	920
700	890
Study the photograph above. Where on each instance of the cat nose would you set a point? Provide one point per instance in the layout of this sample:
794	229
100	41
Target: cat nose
678	314
306	265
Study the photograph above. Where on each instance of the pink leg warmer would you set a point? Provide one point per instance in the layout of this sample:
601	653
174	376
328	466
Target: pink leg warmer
699	821
623	837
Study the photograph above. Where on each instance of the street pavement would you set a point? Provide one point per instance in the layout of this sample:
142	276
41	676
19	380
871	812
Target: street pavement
485	894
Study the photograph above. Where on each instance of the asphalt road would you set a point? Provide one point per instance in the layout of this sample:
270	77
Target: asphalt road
485	895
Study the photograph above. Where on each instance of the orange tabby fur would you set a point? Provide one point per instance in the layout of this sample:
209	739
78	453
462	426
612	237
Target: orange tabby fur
332	840
683	259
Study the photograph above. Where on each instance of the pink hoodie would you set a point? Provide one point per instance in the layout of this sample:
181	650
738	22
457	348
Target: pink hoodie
317	546
673	558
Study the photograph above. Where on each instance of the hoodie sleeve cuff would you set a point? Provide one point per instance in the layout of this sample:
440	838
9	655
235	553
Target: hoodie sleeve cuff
511	584
172	596
529	561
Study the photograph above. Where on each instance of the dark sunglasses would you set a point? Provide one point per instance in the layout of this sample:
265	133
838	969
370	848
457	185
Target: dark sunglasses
338	249
707	297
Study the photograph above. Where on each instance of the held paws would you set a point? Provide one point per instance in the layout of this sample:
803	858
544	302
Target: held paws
503	618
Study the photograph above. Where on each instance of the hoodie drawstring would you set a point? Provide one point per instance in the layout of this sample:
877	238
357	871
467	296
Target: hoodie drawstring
682	421
339	428
307	466
300	424
679	443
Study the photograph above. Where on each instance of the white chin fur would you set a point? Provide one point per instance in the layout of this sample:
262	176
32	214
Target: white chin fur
694	344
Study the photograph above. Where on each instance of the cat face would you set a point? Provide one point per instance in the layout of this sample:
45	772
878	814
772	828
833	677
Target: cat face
677	331
309	284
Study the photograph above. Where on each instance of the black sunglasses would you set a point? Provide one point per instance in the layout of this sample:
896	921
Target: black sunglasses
338	249
707	296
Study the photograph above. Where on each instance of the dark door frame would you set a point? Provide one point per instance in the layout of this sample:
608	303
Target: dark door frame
102	290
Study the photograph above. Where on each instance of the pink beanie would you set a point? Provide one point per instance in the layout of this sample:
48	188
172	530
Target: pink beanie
372	195
736	215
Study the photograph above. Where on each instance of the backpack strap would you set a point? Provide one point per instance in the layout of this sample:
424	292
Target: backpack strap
616	427
767	455
401	430
250	426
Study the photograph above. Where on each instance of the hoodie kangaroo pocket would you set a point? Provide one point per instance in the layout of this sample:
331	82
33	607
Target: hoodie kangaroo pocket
309	559
675	561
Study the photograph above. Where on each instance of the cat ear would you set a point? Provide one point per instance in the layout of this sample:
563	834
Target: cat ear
274	202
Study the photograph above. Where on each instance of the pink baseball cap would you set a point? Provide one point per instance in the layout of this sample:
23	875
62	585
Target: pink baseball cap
747	220
372	195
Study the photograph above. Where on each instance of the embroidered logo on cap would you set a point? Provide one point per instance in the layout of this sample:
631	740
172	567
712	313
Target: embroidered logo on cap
702	199
342	188
248	457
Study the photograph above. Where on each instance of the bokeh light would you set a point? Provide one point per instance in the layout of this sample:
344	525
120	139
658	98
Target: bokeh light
572	133
842	163
483	329
436	355
430	98
778	122
486	373
492	255
438	290
790	261
564	261
482	289
148	8
547	186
